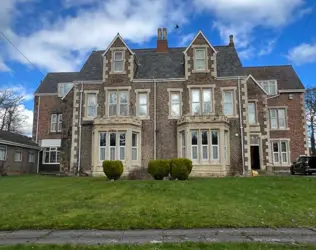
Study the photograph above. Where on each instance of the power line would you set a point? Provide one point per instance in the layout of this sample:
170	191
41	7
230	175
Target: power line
34	66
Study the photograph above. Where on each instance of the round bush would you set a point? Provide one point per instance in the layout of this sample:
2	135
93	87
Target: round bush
158	169
179	169
188	163
113	169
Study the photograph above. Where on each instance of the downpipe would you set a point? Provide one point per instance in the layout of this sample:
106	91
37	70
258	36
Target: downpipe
241	129
155	119
80	125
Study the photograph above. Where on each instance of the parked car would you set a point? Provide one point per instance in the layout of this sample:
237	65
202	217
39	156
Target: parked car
304	165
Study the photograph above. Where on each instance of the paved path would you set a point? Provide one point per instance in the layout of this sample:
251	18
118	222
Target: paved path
96	237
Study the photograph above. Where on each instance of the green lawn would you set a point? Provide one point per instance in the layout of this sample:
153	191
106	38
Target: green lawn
185	246
56	202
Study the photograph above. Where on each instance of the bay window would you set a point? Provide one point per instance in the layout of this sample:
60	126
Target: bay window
228	102
204	145
277	118
200	59
51	155
102	147
226	145
118	103
134	146
280	152
252	117
201	101
182	136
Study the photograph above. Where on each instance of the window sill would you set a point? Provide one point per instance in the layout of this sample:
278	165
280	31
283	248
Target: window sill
231	116
174	117
46	163
17	161
144	118
201	71
117	73
254	125
279	129
88	118
54	132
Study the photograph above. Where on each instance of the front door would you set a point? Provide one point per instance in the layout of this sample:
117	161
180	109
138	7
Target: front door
255	157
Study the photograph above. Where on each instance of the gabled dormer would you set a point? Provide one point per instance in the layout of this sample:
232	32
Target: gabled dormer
200	56
118	59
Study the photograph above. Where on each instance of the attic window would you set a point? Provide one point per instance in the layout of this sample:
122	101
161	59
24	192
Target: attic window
118	61
63	88
200	59
269	86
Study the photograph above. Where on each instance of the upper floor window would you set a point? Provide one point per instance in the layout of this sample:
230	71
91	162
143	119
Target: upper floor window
63	88
201	101
142	104
228	102
252	118
91	105
200	59
174	104
118	103
3	153
118	61
277	118
56	123
269	86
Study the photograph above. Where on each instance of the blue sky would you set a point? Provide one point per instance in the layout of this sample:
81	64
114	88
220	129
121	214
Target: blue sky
58	35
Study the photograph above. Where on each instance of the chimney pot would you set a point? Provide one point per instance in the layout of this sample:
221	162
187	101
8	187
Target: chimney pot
231	41
164	34
159	34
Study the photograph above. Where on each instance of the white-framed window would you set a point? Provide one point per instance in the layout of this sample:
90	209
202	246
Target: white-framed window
56	122
51	155
228	102
102	146
277	118
118	61
200	59
226	145
204	145
92	104
201	101
118	103
114	143
252	117
142	104
134	146
53	123
18	155
280	152
63	88
270	86
182	135
31	156
194	145
215	143
175	104
3	153
60	123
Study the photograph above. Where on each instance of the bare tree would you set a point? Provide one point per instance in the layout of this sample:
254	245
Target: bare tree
310	106
11	118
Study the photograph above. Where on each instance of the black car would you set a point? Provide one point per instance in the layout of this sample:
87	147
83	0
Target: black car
304	165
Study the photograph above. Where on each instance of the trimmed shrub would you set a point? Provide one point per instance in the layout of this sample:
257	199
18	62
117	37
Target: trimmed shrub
113	169
180	168
188	163
158	169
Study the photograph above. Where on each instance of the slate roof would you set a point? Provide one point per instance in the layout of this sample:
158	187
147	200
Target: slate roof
50	82
17	138
284	74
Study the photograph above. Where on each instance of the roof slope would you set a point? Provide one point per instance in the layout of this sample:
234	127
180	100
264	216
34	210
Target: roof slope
50	82
284	74
228	63
17	138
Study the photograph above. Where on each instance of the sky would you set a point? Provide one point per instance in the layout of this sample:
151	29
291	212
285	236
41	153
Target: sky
58	35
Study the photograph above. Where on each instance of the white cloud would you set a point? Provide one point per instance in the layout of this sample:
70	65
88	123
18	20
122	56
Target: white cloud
75	3
247	53
4	67
241	17
62	45
302	54
267	49
186	39
26	129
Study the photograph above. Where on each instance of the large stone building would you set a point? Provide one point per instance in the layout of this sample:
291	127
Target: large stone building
197	102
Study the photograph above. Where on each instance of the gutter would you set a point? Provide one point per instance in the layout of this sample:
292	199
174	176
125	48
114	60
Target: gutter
155	119
241	129
80	126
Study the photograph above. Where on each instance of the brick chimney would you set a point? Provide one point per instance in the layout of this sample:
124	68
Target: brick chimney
231	41
162	42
